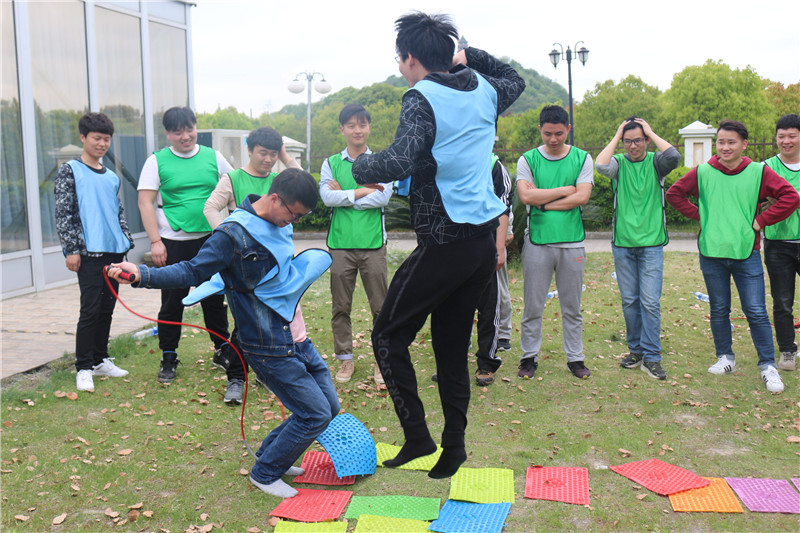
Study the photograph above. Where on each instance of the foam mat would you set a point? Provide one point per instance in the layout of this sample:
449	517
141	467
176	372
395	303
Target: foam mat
320	470
350	446
715	498
766	495
312	505
413	507
660	477
556	483
465	517
483	485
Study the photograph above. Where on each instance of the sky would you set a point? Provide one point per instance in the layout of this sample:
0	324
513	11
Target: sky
247	51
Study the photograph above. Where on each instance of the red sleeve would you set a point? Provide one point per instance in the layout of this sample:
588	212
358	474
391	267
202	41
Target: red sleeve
680	190
787	198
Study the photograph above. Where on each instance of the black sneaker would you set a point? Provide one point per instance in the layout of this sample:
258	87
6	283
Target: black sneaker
579	370
503	345
484	377
435	377
632	360
527	368
654	370
221	360
233	396
169	365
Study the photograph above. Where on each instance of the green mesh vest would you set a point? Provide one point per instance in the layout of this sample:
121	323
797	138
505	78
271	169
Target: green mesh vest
244	184
727	205
553	227
186	184
351	228
638	204
789	228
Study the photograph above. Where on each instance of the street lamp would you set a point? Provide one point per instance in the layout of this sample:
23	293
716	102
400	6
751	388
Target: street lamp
555	56
297	86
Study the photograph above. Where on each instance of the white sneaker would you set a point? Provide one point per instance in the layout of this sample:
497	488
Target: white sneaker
772	379
108	368
85	381
276	488
787	361
724	365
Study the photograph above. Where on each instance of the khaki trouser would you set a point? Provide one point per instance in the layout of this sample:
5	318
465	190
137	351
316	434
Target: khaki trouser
346	266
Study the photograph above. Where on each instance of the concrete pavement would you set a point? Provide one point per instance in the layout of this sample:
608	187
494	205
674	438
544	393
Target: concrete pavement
40	327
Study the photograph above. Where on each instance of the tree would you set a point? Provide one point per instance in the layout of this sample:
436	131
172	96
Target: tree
229	119
602	110
713	92
785	99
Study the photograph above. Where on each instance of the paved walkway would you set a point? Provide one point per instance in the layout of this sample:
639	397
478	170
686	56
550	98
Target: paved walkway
40	327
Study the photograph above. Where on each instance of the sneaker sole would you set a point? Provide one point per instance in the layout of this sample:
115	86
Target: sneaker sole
232	402
340	380
787	368
634	365
484	382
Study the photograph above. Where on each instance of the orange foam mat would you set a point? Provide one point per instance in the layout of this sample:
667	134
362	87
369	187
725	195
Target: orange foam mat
715	498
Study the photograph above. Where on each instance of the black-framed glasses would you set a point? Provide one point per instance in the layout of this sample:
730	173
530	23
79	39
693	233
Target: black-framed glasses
637	141
295	216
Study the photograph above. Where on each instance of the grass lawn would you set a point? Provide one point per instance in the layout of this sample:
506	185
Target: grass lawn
171	456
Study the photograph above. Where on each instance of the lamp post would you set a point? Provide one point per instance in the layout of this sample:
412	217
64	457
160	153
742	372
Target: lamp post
555	57
297	86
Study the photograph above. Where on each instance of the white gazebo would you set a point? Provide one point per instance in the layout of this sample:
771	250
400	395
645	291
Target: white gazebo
697	143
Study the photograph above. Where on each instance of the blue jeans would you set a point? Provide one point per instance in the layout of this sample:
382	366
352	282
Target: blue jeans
639	275
302	382
748	274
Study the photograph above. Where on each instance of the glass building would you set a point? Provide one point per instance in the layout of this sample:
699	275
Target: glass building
128	59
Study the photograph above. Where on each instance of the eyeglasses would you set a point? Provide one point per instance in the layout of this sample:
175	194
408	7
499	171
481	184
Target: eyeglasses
295	216
637	140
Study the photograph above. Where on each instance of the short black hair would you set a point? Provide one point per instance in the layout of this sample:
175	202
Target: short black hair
296	185
265	137
732	125
787	122
178	118
631	125
429	38
354	110
98	122
553	114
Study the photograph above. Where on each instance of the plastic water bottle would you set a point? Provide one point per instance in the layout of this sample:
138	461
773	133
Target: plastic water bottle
552	294
149	332
700	296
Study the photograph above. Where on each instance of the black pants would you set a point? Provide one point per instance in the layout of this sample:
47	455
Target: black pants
97	309
237	367
488	327
445	282
215	313
783	265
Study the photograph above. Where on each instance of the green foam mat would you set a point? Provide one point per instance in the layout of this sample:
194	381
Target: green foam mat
413	507
483	485
390	451
382	524
285	526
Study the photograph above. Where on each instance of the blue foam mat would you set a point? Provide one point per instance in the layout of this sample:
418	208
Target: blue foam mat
350	446
465	517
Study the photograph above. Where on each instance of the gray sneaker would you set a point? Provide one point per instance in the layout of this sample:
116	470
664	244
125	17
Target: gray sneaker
654	370
787	361
233	396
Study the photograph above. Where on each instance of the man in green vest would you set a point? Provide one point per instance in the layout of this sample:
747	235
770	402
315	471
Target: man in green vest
782	242
173	187
639	235
554	180
264	149
729	189
356	237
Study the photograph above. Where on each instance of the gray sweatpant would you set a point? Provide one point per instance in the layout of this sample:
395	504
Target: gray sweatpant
538	265
504	302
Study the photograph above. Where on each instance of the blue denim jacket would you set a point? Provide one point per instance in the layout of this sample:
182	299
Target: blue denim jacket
242	262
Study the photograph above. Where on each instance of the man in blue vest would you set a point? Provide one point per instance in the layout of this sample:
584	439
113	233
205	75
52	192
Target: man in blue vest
173	187
252	255
93	232
639	235
356	236
444	141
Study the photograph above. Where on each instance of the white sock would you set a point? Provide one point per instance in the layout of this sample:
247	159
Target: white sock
295	471
276	488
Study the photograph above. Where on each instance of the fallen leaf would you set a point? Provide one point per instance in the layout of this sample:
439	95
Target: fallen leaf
136	506
21	517
59	394
273	521
133	515
148	514
793	439
111	513
253	530
72	396
60	518
243	472
641	496
126	451
204	517
624	452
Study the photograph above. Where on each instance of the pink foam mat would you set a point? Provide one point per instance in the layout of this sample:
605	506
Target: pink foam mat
320	470
560	484
311	505
766	495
